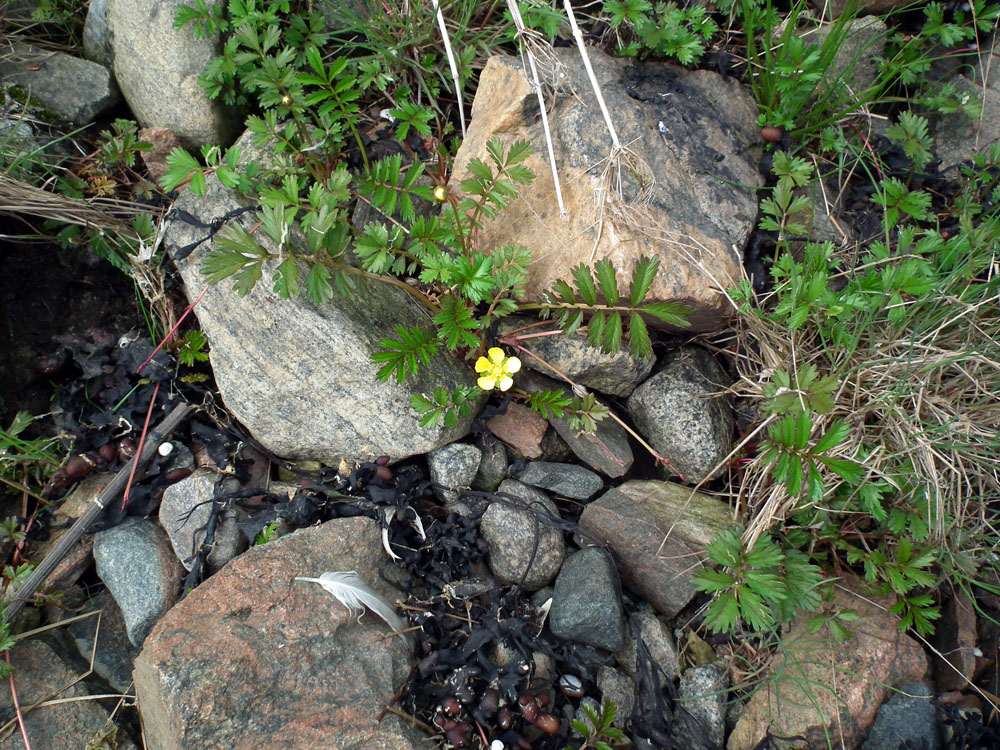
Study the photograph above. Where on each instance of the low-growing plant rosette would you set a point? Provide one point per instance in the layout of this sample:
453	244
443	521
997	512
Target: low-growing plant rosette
496	368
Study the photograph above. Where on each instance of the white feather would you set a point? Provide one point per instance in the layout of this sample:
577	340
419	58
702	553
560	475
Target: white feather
348	588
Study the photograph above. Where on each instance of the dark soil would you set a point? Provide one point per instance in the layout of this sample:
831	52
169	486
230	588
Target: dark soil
48	293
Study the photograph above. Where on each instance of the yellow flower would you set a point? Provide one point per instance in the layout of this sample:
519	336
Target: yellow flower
440	193
497	368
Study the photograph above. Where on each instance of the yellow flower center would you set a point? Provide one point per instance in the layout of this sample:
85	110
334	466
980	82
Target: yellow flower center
496	369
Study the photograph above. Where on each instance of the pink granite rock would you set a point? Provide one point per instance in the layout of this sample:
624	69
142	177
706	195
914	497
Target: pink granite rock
820	689
521	429
253	658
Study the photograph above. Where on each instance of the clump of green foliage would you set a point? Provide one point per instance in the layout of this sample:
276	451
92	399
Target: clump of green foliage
878	439
7	642
49	21
400	46
796	66
26	463
664	29
598	731
763	586
307	110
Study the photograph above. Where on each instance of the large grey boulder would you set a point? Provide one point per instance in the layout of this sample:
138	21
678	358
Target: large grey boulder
524	549
77	89
701	707
105	640
453	469
695	131
662	648
157	67
185	514
96	38
301	377
586	604
566	480
906	720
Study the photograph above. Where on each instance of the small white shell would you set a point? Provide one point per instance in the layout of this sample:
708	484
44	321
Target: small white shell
165	449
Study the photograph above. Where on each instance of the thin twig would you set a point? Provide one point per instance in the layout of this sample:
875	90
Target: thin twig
96	507
412	719
17	705
578	36
171	331
142	441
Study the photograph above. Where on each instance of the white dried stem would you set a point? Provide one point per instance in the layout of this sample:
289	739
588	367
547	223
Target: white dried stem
578	36
526	48
620	157
451	64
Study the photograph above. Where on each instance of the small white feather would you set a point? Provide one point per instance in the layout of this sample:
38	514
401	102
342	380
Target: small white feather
350	589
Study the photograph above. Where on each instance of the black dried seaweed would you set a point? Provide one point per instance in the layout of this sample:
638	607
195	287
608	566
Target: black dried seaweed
964	729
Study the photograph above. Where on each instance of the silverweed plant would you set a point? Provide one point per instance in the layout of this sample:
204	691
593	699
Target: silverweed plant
877	444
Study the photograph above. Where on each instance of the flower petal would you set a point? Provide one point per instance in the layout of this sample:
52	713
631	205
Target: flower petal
483	364
506	383
512	365
496	355
487	382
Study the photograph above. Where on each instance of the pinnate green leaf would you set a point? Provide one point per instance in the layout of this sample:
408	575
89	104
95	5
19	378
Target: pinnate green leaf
672	313
585	284
402	357
318	289
642	278
286	279
612	339
456	323
607	281
595	330
712	581
639	343
723	613
518	152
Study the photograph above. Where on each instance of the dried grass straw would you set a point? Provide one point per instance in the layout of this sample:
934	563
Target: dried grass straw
621	157
21	198
922	406
529	45
451	64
